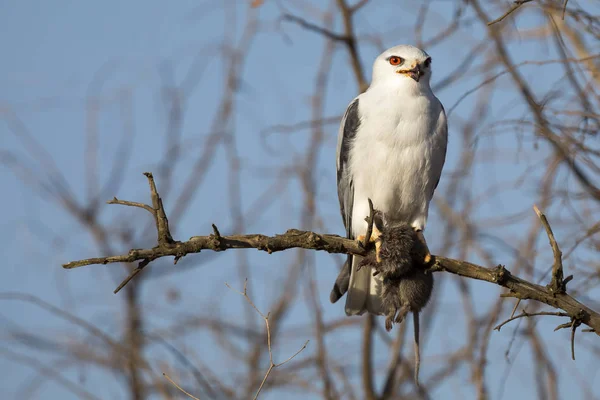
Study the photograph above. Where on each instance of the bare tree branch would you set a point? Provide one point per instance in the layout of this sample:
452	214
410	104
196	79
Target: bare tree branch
293	238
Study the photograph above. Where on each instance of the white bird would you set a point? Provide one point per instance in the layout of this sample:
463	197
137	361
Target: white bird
391	148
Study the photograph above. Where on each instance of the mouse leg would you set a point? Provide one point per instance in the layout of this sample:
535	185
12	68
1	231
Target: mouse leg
388	322
402	313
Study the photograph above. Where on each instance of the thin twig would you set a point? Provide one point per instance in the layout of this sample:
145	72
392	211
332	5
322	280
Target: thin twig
132	204
506	71
574	325
133	273
315	28
272	364
179	387
360	4
515	6
512	314
526	314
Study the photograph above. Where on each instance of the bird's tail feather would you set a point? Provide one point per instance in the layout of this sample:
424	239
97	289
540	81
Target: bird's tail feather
364	291
340	287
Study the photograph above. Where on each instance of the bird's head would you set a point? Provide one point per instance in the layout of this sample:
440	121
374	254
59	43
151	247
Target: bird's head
403	62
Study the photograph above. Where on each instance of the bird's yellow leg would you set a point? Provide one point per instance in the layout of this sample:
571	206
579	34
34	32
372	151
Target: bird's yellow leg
377	247
375	235
424	247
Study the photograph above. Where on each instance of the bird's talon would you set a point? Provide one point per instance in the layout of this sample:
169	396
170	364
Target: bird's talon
388	324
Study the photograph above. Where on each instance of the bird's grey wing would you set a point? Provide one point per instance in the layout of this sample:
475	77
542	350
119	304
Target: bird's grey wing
347	133
345	186
441	145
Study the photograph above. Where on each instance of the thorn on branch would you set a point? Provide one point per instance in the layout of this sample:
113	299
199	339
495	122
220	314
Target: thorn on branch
216	239
501	274
562	326
558	285
567	280
216	231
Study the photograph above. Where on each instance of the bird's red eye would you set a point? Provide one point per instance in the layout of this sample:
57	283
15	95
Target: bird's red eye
395	60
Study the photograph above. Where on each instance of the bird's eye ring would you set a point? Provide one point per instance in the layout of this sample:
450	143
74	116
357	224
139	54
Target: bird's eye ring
395	60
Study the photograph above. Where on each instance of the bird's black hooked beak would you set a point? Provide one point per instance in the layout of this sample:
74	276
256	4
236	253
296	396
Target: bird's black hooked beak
415	73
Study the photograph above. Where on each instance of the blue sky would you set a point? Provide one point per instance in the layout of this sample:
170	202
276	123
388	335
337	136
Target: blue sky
58	55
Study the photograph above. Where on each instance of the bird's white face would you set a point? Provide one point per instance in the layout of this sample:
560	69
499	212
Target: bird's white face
403	62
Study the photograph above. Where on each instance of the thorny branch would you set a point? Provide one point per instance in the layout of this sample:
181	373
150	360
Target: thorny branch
293	238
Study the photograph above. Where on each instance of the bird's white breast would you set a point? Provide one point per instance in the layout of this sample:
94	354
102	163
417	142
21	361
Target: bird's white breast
391	156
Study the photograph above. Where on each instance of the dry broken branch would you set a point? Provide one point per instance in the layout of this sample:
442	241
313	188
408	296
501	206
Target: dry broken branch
558	284
293	238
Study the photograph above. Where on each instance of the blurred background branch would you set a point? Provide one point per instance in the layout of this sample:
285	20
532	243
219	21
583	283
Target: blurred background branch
236	110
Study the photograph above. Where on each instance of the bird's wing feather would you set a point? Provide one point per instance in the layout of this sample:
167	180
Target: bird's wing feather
347	133
442	128
345	186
